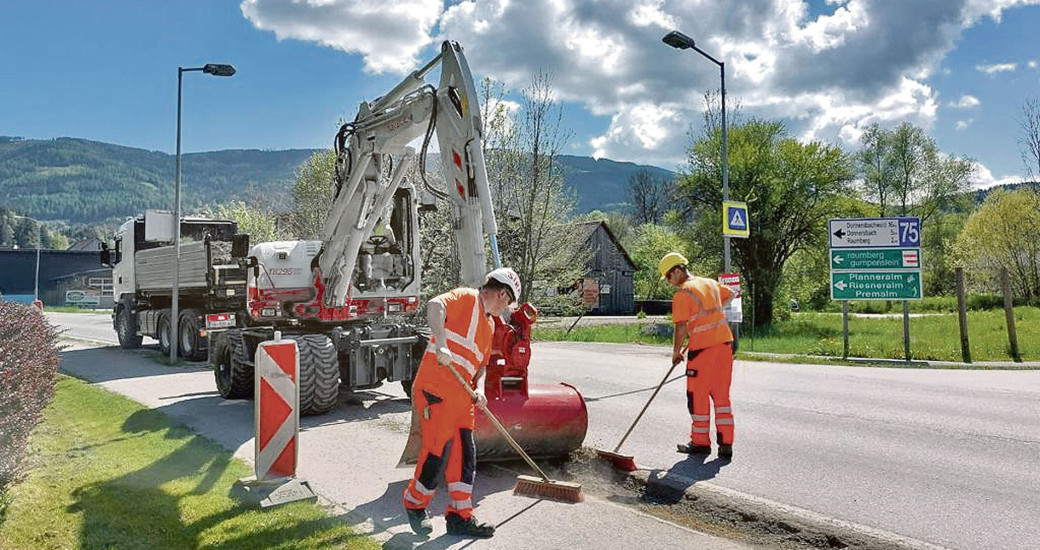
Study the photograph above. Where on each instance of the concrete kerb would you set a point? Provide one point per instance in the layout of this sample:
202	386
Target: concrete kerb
768	517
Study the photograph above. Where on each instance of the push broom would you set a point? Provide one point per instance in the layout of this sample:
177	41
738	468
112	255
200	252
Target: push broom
531	486
626	462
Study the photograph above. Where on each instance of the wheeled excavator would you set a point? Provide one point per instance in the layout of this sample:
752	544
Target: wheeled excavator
349	300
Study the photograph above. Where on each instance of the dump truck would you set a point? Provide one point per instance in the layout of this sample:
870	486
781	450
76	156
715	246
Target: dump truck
212	278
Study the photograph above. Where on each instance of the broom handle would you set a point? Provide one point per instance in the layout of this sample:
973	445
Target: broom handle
497	424
645	407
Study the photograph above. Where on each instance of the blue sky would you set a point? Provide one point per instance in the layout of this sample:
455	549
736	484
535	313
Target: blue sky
107	71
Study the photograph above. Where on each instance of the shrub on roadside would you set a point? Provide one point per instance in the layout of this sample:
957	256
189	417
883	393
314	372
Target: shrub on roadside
28	367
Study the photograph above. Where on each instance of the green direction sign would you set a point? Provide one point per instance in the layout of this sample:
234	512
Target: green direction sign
876	285
875	258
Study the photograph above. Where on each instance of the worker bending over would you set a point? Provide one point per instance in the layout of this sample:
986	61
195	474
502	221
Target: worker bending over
461	328
697	311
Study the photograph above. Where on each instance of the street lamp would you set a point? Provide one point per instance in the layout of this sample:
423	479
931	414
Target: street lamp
39	241
680	41
215	70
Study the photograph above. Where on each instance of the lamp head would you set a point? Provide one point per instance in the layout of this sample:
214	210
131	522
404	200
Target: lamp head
216	69
678	40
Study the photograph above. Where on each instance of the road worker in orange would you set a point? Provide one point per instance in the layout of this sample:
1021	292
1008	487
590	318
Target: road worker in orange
701	328
461	331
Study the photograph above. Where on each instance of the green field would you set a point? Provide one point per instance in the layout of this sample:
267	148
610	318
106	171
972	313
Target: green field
932	337
108	473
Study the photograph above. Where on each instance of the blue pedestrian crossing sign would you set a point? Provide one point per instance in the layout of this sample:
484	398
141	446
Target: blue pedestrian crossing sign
735	219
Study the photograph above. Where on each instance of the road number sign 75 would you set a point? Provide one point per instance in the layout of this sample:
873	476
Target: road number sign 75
910	232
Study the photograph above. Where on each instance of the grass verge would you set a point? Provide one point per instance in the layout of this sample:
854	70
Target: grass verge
108	473
932	338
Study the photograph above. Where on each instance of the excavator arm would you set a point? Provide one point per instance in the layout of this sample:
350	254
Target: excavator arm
374	156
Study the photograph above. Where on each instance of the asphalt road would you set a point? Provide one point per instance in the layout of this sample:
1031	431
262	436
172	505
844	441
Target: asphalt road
947	457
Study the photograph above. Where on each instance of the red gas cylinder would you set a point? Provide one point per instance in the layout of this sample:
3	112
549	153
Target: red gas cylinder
547	420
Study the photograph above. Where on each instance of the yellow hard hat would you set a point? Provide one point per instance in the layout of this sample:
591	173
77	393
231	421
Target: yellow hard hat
669	261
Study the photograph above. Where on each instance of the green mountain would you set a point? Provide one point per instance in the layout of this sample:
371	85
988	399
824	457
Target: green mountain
78	181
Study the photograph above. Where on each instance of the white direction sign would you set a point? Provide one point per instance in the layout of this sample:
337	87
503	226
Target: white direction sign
875	232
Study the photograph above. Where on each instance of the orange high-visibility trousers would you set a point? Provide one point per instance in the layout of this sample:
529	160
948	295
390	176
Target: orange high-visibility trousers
709	372
447	424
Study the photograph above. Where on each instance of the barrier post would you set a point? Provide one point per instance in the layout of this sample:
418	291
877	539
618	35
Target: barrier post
276	409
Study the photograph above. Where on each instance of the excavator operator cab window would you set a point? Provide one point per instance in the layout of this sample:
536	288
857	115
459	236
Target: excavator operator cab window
384	261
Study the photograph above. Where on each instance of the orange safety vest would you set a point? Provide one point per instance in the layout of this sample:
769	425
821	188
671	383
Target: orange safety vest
468	330
698	303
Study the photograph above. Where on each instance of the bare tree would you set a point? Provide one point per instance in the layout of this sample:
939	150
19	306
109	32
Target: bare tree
1029	122
532	204
649	197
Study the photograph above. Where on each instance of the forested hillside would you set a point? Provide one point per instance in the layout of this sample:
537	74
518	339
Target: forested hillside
87	182
79	182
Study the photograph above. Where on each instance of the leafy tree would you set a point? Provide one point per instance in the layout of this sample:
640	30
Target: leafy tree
260	223
788	186
1002	234
875	166
650	244
313	194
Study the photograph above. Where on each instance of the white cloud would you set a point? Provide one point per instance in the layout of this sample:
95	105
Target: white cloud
965	102
984	179
388	35
996	68
1031	64
963	124
829	76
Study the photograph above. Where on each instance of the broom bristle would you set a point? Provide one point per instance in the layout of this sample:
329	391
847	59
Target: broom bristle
562	491
621	462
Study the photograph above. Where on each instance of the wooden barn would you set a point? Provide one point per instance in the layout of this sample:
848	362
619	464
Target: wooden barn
608	287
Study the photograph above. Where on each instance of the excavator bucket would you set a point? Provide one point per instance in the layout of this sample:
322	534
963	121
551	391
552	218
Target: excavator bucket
548	421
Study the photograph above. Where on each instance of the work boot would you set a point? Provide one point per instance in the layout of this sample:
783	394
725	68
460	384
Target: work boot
419	520
692	449
469	527
725	449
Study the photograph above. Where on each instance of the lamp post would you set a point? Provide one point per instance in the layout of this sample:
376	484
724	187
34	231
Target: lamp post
680	41
39	242
215	70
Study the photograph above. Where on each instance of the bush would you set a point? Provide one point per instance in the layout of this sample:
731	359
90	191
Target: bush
28	367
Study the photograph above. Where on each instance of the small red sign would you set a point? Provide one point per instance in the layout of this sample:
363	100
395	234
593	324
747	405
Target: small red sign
732	280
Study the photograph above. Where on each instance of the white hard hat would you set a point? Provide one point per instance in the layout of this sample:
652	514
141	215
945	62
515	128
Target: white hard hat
508	277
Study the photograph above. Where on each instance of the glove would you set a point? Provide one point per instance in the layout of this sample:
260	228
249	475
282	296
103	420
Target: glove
444	355
479	399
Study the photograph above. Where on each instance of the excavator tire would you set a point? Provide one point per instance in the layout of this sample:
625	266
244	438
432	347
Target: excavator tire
319	374
232	368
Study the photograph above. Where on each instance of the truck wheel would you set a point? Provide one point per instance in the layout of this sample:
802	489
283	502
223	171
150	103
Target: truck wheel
319	374
162	329
125	330
190	343
232	368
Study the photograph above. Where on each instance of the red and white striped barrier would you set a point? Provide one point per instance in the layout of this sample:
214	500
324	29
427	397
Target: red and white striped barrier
277	409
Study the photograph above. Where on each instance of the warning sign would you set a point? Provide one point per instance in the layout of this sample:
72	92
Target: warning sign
735	221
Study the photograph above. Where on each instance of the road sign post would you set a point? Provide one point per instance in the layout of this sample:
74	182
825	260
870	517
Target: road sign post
876	259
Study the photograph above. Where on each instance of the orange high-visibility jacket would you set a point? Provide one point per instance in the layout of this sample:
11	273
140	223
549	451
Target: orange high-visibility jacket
468	330
698	303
